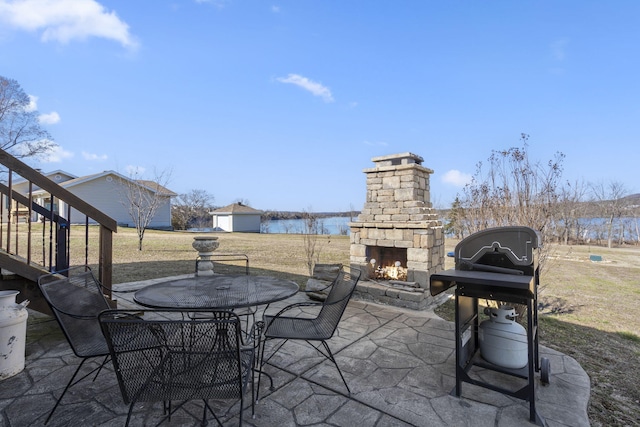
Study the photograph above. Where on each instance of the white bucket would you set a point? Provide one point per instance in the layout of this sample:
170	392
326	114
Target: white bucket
13	334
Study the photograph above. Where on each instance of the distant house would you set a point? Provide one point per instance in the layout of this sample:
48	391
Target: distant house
237	217
105	191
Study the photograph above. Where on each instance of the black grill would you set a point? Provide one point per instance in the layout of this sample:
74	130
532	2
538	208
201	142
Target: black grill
499	264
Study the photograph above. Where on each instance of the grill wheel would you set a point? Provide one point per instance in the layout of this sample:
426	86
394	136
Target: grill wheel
545	370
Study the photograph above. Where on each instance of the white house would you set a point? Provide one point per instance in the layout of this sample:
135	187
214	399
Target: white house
106	191
237	217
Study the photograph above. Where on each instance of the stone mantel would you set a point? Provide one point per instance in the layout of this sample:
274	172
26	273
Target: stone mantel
398	168
400	225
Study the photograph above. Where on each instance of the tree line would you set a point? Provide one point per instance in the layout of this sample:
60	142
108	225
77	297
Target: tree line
513	189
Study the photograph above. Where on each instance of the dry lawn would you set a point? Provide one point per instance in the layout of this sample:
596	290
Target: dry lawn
170	253
589	309
591	314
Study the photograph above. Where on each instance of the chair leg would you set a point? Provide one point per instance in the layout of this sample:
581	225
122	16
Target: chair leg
168	409
69	384
261	366
253	394
204	414
104	362
212	413
126	424
330	357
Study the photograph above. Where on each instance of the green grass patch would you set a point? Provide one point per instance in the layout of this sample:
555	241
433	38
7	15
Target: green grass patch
629	336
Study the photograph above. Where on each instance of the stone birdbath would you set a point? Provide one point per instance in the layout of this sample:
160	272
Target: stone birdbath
205	245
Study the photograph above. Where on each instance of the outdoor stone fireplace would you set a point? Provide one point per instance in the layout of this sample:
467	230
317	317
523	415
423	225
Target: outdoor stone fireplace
397	240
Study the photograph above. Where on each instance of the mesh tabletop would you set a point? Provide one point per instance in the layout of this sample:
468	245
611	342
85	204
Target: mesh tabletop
216	292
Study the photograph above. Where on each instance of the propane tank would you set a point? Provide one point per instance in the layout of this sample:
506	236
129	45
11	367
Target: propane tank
503	341
13	334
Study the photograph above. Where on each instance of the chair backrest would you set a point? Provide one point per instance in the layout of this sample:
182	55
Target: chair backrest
333	307
76	299
164	356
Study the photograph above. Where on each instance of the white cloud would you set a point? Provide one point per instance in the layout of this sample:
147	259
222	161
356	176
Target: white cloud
275	9
92	156
56	155
315	88
66	20
33	104
457	178
49	119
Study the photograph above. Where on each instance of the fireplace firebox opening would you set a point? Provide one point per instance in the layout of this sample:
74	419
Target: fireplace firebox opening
387	263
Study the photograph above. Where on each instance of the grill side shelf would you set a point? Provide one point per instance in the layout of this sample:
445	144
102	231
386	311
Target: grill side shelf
440	282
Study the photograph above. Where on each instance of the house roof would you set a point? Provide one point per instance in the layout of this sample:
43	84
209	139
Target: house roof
156	187
152	186
51	175
236	209
59	172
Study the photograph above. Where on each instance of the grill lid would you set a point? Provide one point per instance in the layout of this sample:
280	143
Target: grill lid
502	247
501	257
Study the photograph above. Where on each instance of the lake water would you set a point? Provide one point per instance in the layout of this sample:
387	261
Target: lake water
338	225
592	227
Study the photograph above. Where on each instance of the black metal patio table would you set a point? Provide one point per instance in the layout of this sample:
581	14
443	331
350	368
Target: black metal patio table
216	292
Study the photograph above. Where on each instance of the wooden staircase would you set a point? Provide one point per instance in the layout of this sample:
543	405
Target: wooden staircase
36	239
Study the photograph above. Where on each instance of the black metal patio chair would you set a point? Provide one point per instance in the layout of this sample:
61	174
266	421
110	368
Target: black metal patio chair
165	356
76	299
313	330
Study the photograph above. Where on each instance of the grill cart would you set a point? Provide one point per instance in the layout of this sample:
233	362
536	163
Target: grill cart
499	264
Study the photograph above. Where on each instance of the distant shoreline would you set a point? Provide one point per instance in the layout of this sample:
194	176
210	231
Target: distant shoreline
279	215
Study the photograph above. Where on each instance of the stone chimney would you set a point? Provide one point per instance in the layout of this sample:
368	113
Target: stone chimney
398	222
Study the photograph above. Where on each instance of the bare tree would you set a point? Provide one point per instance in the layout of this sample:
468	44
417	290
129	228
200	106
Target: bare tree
514	191
312	226
612	203
569	209
20	131
352	212
192	210
143	198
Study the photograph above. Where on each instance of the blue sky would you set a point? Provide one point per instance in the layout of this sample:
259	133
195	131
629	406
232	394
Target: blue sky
284	103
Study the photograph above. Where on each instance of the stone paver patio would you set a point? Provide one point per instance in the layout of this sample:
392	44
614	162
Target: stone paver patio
398	363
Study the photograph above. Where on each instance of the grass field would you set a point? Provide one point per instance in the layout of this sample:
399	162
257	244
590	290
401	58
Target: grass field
589	309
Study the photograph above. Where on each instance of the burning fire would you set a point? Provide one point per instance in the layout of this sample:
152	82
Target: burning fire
389	272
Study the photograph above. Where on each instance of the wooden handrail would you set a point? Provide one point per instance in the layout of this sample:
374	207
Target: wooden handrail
36	208
108	225
59	192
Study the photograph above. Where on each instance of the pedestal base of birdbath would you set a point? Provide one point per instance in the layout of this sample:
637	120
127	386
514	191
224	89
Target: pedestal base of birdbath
205	245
